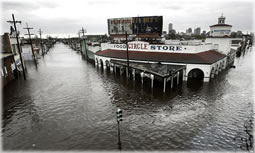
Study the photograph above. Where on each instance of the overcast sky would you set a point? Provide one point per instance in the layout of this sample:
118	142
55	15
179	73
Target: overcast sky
66	17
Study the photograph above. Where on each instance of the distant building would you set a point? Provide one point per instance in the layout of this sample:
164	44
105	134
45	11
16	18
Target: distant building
197	31
170	27
221	29
189	31
239	33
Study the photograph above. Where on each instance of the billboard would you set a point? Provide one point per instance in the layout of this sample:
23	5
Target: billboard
136	25
147	25
120	26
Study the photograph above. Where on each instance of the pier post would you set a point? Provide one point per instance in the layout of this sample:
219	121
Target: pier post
178	75
184	75
217	70
114	68
164	89
111	68
142	77
152	78
133	72
127	72
121	71
172	81
212	75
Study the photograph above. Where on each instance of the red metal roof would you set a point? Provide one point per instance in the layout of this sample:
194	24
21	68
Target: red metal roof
151	35
207	57
222	24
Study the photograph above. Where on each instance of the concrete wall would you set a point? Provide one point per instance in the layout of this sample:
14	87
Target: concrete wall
224	44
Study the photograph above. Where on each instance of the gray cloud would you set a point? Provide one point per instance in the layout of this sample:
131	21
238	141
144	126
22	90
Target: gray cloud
183	14
26	6
172	7
102	2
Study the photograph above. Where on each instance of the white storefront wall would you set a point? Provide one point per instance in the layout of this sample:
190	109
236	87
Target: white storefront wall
224	44
220	31
206	68
144	46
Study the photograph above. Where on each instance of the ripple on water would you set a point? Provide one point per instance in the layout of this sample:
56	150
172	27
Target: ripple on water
68	104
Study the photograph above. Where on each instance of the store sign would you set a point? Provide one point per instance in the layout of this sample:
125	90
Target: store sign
146	47
165	47
120	26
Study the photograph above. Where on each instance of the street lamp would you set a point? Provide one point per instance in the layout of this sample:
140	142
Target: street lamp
119	119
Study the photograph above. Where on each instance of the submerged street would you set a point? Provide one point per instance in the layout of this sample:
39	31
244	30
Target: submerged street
67	103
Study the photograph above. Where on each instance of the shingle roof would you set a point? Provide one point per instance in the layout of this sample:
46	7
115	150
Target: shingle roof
207	57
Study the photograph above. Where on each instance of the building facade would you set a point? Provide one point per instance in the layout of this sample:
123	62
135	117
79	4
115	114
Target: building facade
221	29
200	61
8	70
197	31
170	28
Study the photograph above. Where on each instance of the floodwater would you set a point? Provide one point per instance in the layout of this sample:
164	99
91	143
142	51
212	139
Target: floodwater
67	103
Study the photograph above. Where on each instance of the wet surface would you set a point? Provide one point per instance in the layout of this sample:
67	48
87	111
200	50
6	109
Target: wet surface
68	104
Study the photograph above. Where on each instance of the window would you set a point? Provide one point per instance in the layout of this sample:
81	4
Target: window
5	72
14	49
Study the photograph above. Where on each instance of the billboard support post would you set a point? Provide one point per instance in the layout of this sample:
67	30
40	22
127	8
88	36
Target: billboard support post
127	54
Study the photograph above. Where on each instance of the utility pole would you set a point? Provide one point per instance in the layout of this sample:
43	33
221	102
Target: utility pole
127	53
28	30
83	35
40	33
80	40
19	49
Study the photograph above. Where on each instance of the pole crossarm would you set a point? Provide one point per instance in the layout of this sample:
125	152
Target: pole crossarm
32	48
13	22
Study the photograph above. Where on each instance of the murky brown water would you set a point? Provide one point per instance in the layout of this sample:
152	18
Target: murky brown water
68	104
